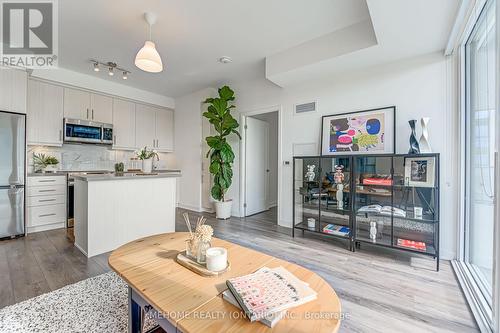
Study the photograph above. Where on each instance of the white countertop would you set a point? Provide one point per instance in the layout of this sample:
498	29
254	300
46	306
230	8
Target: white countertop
128	176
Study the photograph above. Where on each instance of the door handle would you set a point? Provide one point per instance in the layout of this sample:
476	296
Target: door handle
87	113
46	200
60	135
157	143
92	114
114	139
46	190
47	180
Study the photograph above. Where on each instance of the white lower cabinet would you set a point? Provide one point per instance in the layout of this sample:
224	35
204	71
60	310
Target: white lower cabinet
46	203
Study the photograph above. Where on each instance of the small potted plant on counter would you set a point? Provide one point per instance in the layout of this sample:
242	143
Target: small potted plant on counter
221	154
146	156
45	163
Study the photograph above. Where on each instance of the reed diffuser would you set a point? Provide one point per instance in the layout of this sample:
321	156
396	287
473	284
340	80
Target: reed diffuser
199	239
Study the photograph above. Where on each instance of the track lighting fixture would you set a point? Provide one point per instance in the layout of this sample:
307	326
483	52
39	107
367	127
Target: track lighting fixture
112	66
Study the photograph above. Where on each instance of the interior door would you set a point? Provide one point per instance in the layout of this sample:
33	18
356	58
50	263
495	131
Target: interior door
256	165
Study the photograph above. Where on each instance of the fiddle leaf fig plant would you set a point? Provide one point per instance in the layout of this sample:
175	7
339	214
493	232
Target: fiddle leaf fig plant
221	154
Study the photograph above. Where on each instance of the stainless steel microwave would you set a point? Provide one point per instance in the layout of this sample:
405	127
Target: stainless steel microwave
84	131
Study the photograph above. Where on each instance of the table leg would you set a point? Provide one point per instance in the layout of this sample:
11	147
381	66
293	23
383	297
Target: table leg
135	316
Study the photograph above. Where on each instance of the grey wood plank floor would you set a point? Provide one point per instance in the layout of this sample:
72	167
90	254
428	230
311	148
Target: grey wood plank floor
380	290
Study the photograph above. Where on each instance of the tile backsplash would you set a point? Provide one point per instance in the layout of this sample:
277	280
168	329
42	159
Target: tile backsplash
79	157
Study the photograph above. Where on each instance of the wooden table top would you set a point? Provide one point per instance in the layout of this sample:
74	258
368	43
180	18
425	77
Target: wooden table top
193	303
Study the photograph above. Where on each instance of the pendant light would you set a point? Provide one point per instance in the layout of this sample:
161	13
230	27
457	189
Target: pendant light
148	59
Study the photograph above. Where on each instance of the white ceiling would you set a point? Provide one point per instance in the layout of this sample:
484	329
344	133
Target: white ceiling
192	34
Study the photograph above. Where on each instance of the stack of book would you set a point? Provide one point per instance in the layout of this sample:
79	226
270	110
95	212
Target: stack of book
267	294
338	230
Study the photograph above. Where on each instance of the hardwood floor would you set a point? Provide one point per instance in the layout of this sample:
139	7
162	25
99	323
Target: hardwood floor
380	290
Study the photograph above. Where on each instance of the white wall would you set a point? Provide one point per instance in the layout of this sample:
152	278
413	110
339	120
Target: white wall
188	150
92	82
417	87
272	119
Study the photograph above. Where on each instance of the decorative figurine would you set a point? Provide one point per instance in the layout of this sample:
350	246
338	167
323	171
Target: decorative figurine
310	173
424	144
373	231
414	147
339	180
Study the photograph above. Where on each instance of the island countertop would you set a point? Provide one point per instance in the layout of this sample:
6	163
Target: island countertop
127	176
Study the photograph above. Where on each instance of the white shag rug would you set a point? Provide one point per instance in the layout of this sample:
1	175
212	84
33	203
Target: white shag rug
98	304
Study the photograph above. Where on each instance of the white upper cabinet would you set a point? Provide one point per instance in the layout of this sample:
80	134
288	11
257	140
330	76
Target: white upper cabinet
123	124
101	108
13	85
145	119
45	114
165	130
76	104
80	104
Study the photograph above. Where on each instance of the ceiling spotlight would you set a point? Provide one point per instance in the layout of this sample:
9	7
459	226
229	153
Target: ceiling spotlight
96	67
111	73
225	60
124	75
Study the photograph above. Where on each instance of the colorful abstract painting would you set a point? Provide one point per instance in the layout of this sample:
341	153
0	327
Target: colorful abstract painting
365	132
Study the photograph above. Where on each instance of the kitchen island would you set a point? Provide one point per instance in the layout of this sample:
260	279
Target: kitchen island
113	210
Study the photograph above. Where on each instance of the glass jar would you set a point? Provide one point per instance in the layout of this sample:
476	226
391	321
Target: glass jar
201	258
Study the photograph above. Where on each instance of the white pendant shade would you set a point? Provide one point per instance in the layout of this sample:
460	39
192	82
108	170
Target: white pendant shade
148	59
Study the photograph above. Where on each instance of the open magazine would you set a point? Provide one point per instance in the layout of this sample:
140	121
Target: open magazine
269	291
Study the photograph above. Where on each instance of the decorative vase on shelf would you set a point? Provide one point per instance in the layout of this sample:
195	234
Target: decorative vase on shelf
414	147
424	145
340	196
147	165
373	231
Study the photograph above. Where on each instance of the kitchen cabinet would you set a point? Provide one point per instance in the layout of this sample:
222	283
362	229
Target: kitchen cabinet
123	124
164	130
45	114
80	104
76	104
145	119
45	203
154	128
101	108
13	87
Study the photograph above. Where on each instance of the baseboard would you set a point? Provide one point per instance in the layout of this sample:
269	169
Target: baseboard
81	250
189	207
272	204
46	227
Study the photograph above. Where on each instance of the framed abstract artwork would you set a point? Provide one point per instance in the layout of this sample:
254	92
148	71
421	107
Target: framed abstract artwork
363	132
420	171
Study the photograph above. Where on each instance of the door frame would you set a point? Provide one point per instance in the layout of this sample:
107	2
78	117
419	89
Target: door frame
243	122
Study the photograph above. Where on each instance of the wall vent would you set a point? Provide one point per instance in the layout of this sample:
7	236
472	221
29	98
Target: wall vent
305	107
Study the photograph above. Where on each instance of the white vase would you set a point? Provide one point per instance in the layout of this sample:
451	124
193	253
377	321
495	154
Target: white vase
223	209
147	165
425	147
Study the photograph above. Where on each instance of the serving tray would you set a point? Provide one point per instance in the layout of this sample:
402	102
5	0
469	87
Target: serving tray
200	269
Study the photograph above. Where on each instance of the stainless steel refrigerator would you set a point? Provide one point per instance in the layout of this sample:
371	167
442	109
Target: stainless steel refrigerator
12	174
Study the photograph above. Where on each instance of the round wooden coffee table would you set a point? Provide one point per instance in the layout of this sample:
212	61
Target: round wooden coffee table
181	300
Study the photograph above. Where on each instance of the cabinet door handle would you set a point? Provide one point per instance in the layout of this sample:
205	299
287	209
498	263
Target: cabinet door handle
46	190
87	113
92	114
157	143
45	215
46	180
60	135
114	139
46	200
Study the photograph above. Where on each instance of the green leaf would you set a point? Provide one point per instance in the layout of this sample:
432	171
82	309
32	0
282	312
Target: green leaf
226	153
214	142
226	93
228	122
215	167
217	192
237	133
208	100
211	109
220	105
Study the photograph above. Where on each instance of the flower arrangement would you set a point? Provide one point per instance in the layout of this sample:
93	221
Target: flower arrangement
42	161
146	154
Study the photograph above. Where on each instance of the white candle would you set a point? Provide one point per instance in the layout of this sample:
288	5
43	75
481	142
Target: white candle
216	259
